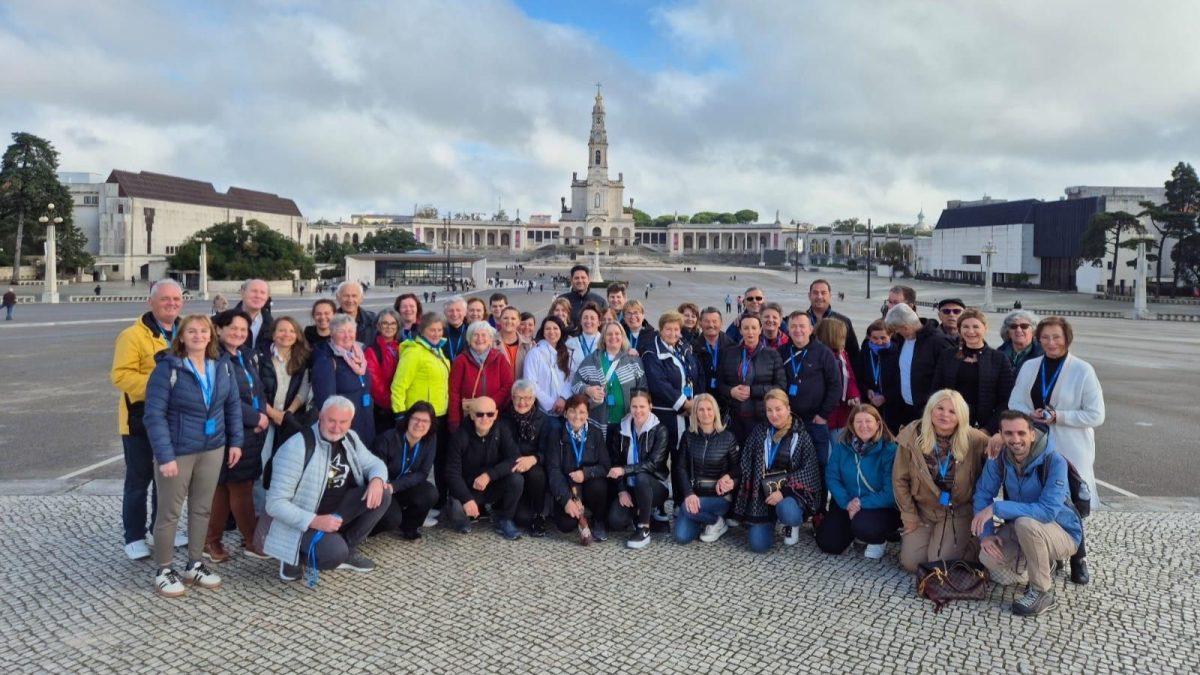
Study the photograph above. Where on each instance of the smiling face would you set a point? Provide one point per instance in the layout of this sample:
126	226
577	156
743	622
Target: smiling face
349	297
433	332
484	414
614	338
865	426
710	325
455	313
335	422
523	401
670	333
322	314
616	299
706	414
771	321
577	416
388	327
944	418
1020	334
800	330
234	335
343	337
639	407
818	297
475	311
408	311
1053	341
166	303
972	331
498	307
510	320
284	334
589	320
419	424
634	318
481	340
778	413
690	319
753	301
196	337
561	311
551	333
254	296
528	328
580	281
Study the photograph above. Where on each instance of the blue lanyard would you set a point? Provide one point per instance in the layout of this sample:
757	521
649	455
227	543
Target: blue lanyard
169	334
408	333
798	363
246	372
713	353
746	363
876	364
633	444
585	347
455	347
362	382
773	451
1047	389
406	462
578	446
206	382
944	465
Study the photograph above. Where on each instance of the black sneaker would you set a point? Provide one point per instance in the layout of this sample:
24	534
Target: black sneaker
289	572
357	562
639	539
599	532
1079	571
1034	602
537	528
409	535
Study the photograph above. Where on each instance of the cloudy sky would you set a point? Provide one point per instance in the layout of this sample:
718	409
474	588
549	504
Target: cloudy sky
818	109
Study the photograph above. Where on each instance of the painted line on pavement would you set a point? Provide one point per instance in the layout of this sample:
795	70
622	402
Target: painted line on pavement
91	467
49	324
1114	488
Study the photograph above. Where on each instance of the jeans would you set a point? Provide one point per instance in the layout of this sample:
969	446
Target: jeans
687	525
762	535
8	310
139	479
335	548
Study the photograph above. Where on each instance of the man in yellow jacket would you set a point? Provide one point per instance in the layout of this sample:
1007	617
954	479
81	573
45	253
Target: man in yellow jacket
133	361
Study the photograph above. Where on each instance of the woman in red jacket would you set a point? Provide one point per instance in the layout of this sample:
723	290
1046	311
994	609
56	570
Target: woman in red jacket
481	370
381	357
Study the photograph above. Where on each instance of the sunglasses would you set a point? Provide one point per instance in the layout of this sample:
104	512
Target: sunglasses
754	298
481	415
1021	326
952	311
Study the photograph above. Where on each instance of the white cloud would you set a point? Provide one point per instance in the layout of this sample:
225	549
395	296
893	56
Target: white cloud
821	110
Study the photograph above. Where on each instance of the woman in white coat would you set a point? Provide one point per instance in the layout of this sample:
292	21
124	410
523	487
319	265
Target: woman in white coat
548	367
1064	397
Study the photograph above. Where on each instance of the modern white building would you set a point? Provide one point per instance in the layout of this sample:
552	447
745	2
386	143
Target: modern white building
135	221
1091	278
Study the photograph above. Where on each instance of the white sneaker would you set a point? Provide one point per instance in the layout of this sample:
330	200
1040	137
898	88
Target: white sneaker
431	520
168	584
875	551
732	522
434	513
198	574
791	535
181	539
137	550
713	532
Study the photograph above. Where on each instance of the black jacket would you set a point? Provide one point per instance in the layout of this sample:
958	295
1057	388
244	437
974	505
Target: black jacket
852	345
313	339
578	301
652	450
646	338
766	373
250	392
818	382
389	446
864	371
469	455
456	341
560	459
703	457
668	373
930	343
538	428
709	372
263	343
291	422
995	384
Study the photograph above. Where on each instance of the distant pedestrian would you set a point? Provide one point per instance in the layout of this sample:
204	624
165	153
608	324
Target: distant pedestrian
729	304
10	301
96	290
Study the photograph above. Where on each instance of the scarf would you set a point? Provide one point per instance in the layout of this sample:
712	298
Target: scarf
577	435
525	430
353	357
859	446
480	358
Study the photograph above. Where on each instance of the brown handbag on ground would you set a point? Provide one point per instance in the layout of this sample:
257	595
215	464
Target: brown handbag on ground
943	581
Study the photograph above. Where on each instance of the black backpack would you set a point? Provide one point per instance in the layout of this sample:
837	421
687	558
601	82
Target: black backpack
310	447
1079	495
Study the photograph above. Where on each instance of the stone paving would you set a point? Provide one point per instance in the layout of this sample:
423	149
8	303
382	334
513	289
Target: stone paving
470	604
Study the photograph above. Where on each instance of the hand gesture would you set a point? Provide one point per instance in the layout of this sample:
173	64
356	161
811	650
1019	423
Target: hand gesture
235	455
692	504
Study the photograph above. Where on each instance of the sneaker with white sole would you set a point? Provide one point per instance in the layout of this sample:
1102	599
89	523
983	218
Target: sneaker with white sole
1034	602
875	551
639	539
430	520
713	532
357	562
198	574
791	535
168	584
137	550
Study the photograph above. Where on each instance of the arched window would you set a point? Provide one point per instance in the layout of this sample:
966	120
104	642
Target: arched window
354	238
597	158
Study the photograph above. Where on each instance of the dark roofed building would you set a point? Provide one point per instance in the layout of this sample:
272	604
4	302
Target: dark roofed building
149	185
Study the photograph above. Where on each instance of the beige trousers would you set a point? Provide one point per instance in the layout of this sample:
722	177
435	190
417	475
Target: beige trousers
1028	548
195	482
947	540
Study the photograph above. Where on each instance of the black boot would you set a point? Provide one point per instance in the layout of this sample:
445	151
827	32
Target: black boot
1079	571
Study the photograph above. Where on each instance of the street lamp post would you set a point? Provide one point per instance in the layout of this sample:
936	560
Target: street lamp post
446	244
870	251
50	294
796	260
204	242
1140	309
989	250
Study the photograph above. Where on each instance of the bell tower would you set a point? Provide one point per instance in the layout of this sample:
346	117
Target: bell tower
598	141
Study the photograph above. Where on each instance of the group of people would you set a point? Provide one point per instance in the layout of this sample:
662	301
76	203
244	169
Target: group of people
593	420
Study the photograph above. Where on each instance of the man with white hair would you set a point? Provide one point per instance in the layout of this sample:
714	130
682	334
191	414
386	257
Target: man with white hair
255	295
455	311
350	297
327	492
908	366
133	361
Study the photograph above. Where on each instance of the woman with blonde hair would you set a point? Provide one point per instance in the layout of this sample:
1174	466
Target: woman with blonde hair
561	307
705	471
937	463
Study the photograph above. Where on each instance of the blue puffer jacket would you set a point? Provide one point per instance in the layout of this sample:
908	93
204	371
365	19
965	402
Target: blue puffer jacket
841	474
1024	494
330	375
175	410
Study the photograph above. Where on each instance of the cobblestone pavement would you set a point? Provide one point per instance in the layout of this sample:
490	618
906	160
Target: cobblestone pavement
469	604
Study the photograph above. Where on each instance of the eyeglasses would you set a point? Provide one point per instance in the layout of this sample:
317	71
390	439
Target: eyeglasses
952	311
754	298
481	415
1020	326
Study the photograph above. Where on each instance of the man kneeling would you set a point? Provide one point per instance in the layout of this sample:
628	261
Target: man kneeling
326	495
1041	526
480	470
